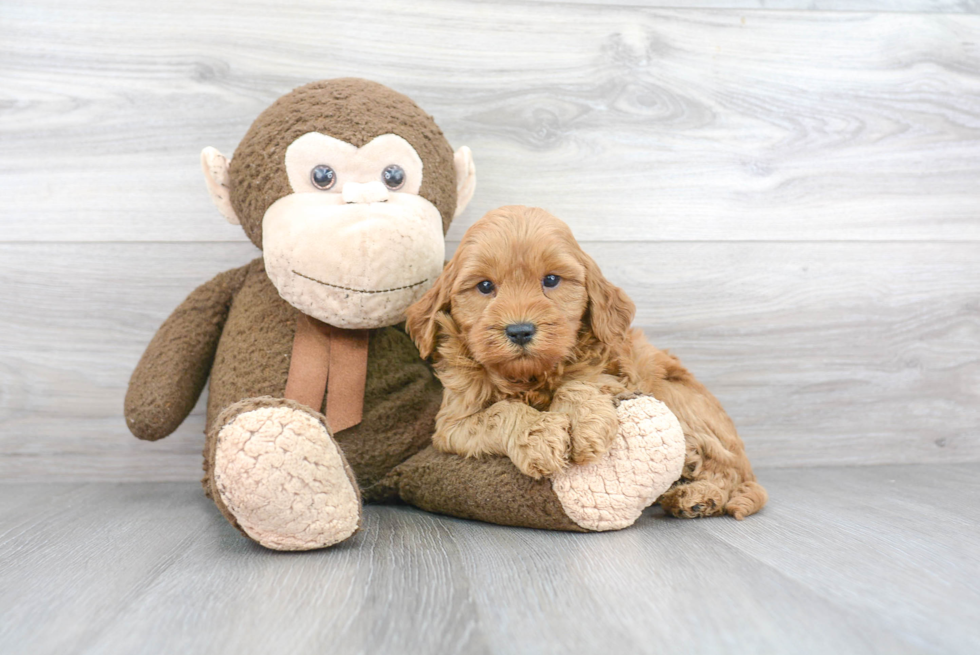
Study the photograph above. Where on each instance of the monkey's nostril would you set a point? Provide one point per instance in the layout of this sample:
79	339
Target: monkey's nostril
520	333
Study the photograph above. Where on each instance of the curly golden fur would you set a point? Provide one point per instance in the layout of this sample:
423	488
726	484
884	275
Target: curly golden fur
548	397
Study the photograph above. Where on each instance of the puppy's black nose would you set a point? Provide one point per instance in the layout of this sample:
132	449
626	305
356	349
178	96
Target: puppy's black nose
520	333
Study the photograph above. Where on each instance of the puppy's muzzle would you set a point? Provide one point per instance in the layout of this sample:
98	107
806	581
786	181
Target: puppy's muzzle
520	333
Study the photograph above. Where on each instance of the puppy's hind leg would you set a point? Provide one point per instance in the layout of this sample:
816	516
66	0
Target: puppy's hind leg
712	485
697	493
717	477
748	498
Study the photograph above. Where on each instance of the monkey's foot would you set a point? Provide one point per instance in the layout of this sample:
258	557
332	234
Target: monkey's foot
644	460
281	478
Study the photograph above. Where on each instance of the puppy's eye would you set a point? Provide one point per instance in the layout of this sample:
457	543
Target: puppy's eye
486	287
323	177
551	281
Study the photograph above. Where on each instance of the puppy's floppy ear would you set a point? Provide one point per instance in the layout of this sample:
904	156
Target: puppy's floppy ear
611	311
421	318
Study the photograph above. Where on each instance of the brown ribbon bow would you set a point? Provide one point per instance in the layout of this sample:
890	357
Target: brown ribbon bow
331	360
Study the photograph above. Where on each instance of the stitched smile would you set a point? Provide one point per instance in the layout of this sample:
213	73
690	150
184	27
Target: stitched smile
337	286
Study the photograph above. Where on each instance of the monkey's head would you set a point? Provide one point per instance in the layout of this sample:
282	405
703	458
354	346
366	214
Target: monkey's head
348	188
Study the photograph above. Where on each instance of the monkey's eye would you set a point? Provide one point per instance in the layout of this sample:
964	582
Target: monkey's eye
323	177
551	281
486	287
393	177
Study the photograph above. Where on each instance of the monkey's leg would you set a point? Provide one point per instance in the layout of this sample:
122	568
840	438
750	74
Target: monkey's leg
609	494
275	472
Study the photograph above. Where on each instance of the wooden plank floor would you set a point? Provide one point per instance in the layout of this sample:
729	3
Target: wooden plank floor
845	560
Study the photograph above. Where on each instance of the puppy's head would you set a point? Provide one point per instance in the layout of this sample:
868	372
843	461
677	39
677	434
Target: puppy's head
521	295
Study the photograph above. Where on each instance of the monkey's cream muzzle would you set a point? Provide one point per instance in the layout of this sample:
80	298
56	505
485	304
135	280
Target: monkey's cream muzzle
353	265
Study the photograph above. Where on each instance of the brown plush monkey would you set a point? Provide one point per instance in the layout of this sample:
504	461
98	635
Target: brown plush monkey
318	399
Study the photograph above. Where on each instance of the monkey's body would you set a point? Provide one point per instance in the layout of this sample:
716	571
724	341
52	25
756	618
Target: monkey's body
252	360
348	188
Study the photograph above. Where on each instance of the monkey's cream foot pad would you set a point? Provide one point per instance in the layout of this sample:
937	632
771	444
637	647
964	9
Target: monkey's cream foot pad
282	476
644	460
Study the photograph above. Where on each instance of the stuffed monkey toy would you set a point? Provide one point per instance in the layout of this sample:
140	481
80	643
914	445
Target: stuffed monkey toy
318	400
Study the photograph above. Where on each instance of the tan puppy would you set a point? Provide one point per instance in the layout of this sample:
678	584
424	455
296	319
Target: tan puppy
534	348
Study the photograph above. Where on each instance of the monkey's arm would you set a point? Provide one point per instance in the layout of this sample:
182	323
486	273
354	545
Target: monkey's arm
174	368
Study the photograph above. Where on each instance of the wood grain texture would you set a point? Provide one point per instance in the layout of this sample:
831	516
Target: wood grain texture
910	6
631	123
823	353
893	523
844	560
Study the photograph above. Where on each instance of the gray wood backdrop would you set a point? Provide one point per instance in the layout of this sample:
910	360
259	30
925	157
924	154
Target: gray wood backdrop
789	189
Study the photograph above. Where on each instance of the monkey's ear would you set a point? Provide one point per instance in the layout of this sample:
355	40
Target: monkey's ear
422	318
215	167
465	178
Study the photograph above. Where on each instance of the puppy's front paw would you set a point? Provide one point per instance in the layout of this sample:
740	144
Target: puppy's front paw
543	450
594	429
